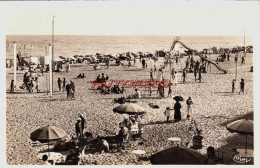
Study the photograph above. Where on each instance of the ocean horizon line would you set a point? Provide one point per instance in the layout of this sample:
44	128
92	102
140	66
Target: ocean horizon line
133	35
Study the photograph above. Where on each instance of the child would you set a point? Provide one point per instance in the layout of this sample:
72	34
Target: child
189	107
167	113
37	85
233	85
242	86
12	86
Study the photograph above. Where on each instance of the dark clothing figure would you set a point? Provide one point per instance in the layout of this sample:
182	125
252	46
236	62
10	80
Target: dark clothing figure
12	86
151	74
77	129
242	86
184	76
72	89
177	111
59	83
64	84
170	90
68	90
243	60
195	74
107	64
143	63
233	85
200	77
82	123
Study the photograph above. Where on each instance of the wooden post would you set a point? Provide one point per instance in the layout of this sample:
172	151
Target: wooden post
50	67
14	62
46	54
244	43
236	67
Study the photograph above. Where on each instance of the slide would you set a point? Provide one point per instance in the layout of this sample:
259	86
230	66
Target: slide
197	53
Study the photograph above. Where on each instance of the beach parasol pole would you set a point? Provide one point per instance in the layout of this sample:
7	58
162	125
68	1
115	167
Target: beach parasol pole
50	68
236	66
14	65
244	43
52	56
46	74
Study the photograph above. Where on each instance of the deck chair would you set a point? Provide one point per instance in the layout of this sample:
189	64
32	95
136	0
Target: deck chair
214	156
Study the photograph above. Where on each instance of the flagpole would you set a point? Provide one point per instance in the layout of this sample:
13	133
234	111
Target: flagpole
52	55
45	62
14	65
50	68
244	43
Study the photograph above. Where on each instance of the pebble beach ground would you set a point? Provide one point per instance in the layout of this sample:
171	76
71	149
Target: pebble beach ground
214	104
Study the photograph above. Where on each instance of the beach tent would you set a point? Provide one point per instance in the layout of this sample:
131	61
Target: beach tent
34	60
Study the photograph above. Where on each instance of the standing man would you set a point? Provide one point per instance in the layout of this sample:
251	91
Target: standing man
12	86
68	90
233	85
82	123
64	84
184	76
200	77
195	73
72	87
243	60
242	86
151	74
107	64
77	128
59	83
143	63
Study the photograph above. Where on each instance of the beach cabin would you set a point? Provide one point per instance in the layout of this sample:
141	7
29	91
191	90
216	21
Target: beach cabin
58	64
44	60
160	53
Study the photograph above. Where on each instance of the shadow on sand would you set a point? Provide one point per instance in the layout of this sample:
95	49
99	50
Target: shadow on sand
159	122
249	116
57	99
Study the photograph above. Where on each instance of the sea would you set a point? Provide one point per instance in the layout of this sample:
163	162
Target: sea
67	45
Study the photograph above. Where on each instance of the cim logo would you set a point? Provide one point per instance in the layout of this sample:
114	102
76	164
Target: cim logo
240	159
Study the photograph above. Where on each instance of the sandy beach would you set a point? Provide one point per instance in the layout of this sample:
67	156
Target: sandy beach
214	105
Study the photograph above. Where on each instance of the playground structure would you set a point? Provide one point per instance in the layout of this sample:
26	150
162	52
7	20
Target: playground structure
195	52
16	61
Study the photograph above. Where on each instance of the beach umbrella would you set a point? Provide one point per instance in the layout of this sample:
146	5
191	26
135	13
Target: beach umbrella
47	134
178	98
242	127
178	155
130	109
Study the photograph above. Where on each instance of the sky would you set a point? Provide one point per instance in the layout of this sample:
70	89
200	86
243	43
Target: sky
131	17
